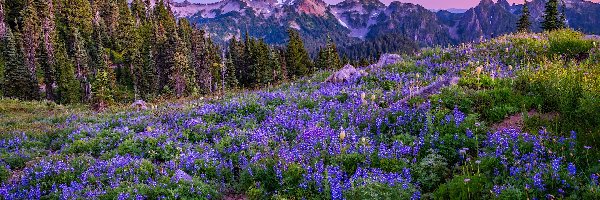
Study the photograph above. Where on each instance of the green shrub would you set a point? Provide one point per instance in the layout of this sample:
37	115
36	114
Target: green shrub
569	43
306	103
342	98
4	173
388	85
463	187
431	171
349	162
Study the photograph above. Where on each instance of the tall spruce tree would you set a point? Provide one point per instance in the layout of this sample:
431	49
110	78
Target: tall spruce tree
180	73
81	60
103	78
298	62
552	17
523	25
18	82
30	37
48	44
68	88
230	75
328	57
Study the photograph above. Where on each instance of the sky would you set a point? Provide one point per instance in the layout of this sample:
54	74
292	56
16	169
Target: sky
430	4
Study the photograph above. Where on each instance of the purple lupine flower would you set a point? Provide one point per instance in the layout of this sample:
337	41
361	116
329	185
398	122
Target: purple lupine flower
538	182
459	116
571	169
594	178
416	195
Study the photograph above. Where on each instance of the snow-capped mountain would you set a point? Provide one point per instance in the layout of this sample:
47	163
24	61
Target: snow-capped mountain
352	21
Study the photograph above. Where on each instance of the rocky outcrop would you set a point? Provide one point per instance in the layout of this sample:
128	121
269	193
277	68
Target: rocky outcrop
345	74
385	60
139	105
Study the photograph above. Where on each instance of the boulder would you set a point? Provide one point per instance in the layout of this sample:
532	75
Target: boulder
140	105
385	60
345	74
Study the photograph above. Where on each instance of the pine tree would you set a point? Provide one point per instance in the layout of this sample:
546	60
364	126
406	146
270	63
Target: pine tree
81	64
102	84
333	56
185	32
30	35
103	79
230	74
328	57
275	66
523	25
68	88
552	19
321	61
48	44
213	64
138	9
180	72
298	61
18	82
77	14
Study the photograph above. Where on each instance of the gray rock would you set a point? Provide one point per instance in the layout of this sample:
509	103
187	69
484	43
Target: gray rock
345	74
385	60
140	105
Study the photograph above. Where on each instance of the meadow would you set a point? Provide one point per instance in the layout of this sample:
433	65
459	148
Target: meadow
521	123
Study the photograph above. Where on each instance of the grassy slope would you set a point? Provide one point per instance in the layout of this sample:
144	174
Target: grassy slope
540	81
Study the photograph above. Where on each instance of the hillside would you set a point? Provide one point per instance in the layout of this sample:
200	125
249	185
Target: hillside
402	131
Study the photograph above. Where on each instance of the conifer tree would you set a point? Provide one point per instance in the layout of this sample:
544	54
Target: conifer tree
68	88
321	61
102	84
552	17
333	57
77	14
180	76
523	25
18	82
103	79
130	43
275	66
30	35
81	60
230	74
138	9
298	62
48	44
213	62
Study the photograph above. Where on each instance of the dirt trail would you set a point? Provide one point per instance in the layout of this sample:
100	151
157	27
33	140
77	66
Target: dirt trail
516	121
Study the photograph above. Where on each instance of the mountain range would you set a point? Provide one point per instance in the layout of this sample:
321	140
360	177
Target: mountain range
355	21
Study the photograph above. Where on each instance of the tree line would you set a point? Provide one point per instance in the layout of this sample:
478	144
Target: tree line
101	51
553	19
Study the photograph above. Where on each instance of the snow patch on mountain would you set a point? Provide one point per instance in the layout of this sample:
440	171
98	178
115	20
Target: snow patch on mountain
206	10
